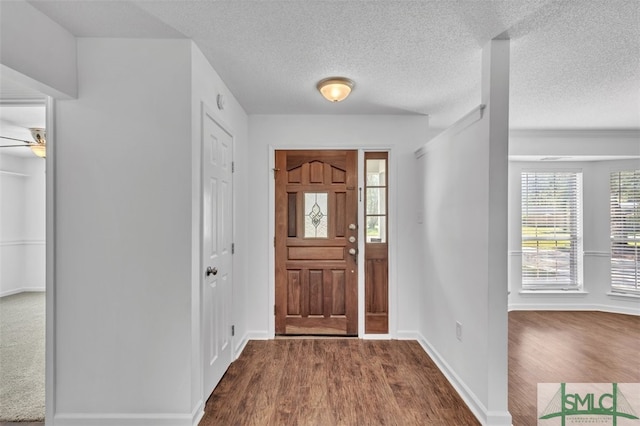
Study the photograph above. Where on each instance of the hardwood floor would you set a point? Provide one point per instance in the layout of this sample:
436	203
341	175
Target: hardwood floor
364	382
335	382
356	382
569	347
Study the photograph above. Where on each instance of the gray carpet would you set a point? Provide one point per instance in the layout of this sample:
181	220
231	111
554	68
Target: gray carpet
22	329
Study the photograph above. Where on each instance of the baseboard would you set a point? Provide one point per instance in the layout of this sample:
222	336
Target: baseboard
125	419
499	418
485	417
573	307
477	408
240	346
250	335
197	414
376	337
22	290
407	335
258	335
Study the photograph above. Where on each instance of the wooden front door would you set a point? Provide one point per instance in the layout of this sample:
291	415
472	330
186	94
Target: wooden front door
316	242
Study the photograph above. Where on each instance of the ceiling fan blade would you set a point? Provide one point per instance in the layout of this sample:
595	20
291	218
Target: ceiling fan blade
19	140
15	146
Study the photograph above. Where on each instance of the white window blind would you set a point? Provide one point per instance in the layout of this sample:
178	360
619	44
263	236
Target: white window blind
551	231
625	231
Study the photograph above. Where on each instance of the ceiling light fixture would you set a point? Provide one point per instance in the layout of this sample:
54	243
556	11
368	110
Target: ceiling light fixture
335	89
39	148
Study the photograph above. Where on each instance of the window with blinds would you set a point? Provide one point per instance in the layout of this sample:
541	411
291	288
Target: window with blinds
625	231
551	230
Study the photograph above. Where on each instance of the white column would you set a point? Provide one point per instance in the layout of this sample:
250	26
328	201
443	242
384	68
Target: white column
495	95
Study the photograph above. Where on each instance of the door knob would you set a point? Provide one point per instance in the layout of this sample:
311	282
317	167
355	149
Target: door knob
212	271
354	252
352	239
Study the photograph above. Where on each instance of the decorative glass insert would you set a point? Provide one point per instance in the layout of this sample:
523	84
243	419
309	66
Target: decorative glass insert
315	215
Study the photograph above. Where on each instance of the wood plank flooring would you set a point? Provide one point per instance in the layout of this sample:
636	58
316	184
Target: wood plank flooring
335	382
355	382
358	382
570	347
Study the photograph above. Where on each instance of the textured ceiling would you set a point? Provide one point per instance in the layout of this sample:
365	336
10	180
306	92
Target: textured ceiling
575	63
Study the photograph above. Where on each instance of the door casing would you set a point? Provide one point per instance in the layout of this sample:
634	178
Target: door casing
393	331
205	112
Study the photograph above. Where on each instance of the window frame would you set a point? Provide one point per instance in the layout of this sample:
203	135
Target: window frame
383	218
576	262
614	242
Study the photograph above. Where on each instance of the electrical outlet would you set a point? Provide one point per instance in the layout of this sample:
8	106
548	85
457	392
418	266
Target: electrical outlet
459	330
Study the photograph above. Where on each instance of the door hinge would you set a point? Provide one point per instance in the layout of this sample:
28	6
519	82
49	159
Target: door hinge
233	248
233	167
233	330
274	241
274	310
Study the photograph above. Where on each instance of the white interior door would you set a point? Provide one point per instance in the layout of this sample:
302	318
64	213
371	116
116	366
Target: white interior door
217	228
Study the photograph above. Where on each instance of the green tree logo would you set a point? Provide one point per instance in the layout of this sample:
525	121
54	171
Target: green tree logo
566	404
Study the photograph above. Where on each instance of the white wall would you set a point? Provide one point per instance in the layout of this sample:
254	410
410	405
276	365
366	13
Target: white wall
462	176
36	51
22	220
583	143
123	189
12	224
596	242
127	193
403	134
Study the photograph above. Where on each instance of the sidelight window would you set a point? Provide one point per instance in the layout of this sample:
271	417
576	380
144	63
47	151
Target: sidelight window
376	200
376	249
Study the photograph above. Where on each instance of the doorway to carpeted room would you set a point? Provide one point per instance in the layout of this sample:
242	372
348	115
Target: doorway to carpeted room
22	357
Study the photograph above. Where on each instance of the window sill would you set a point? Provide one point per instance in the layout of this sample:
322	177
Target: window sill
624	295
553	292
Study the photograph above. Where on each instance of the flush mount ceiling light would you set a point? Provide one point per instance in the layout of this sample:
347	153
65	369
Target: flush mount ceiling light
335	89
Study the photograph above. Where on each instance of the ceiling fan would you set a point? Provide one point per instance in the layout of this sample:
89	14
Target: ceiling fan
38	145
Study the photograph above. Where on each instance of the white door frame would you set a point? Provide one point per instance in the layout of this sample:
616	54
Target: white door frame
392	227
50	215
206	110
50	264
